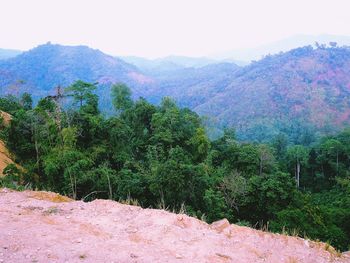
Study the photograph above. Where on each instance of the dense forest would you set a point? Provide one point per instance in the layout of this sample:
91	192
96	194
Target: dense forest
161	157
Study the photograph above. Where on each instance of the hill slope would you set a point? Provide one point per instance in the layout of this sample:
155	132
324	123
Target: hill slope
305	85
191	87
302	85
42	227
46	66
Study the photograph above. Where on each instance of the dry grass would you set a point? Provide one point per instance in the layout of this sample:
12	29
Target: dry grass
129	201
48	196
331	250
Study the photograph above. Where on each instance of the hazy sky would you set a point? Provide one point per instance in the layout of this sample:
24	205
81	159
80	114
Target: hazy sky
155	28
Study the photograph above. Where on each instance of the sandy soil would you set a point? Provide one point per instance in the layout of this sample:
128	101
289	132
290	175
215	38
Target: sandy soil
6	117
5	157
46	227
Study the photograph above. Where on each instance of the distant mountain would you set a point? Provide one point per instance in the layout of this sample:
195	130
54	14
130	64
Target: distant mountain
160	66
8	53
304	86
153	66
283	45
43	68
189	62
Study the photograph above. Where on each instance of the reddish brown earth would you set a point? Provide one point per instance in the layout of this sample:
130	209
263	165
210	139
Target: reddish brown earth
46	227
5	156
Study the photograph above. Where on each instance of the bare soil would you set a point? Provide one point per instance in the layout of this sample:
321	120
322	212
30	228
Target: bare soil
46	227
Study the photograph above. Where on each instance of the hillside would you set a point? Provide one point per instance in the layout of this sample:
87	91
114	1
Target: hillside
305	85
44	67
191	87
308	85
42	227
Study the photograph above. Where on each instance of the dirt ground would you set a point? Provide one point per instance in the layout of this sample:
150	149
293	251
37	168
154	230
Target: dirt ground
5	157
46	227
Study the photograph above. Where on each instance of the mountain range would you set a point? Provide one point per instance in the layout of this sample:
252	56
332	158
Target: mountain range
307	85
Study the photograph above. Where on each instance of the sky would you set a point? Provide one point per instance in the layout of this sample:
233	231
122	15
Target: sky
155	28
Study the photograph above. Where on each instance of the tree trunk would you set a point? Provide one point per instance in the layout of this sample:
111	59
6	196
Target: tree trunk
34	134
298	174
337	162
109	188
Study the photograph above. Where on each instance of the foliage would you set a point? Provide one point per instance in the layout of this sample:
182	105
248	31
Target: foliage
162	156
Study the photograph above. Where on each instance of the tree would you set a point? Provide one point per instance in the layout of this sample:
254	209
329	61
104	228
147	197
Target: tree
81	91
297	155
234	188
201	144
26	101
280	143
121	97
332	148
266	158
266	196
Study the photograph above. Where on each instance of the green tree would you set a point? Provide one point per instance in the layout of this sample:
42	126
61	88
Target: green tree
26	101
121	97
81	92
297	156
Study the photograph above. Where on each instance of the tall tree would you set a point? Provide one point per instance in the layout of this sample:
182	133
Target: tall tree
26	101
297	155
121	97
81	91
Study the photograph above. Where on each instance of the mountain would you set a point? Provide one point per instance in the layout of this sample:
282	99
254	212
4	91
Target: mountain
303	86
46	66
160	66
8	53
153	66
304	92
249	54
41	69
187	62
191	87
46	227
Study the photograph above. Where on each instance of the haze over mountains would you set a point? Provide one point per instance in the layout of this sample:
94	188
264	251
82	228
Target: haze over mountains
283	45
8	53
310	85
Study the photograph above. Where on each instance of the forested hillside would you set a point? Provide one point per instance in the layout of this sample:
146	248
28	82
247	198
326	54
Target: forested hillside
40	70
160	156
303	93
191	87
302	86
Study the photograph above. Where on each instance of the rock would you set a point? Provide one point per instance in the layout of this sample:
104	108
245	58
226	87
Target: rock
178	256
220	225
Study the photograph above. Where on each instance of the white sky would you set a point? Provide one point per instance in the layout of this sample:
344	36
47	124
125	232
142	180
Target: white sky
154	28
